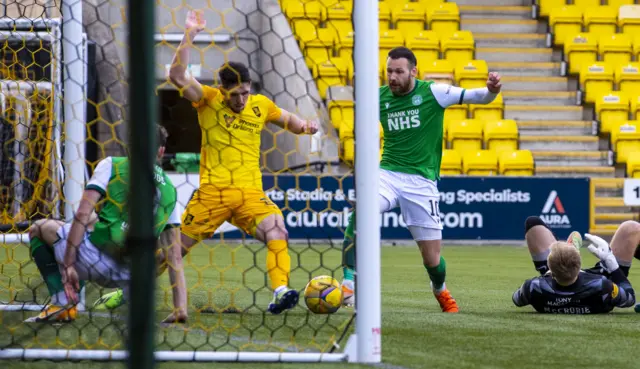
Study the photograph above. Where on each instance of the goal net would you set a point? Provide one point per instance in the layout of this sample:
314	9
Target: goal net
64	108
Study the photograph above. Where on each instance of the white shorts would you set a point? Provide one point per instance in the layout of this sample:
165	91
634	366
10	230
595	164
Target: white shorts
92	264
417	197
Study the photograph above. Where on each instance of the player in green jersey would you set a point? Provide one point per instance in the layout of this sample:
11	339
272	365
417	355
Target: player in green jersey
91	247
412	117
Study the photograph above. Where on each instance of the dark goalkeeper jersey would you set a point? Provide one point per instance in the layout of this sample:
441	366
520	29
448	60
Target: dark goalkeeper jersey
590	294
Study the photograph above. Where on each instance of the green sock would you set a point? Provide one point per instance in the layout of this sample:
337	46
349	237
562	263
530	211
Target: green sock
349	249
437	274
47	265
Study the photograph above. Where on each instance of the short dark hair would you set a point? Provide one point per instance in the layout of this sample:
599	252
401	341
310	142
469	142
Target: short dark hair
161	136
233	73
403	52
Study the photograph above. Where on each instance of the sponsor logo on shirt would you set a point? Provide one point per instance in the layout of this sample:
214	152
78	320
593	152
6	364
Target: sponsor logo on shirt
256	111
229	119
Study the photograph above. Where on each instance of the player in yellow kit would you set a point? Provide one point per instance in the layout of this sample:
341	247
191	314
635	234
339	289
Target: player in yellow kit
231	120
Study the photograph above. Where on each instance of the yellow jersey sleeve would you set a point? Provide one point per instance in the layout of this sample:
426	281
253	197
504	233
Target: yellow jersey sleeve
208	93
273	111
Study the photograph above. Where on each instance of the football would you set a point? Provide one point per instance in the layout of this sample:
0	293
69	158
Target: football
323	295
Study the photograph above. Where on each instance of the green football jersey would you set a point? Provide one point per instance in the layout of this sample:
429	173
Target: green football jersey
413	127
111	179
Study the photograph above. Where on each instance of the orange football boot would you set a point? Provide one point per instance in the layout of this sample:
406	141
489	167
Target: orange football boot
447	303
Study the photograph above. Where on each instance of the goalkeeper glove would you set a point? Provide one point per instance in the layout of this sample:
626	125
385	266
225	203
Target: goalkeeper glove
600	248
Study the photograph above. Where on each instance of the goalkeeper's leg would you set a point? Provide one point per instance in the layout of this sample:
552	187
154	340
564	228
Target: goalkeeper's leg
539	239
624	244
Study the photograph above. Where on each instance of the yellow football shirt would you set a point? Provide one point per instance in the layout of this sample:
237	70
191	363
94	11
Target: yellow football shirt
230	154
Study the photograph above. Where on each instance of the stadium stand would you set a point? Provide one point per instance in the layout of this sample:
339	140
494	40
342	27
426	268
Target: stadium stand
516	163
480	163
451	163
465	135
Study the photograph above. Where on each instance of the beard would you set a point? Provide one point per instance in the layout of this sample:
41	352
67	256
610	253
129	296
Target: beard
400	87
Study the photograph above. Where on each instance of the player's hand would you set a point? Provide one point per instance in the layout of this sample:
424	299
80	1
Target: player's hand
71	283
178	316
195	22
600	248
311	127
493	82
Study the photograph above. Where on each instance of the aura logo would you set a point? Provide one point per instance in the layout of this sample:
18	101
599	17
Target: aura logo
553	212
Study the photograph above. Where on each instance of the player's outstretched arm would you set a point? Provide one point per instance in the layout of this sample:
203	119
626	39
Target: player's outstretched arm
448	95
170	241
191	89
295	124
522	295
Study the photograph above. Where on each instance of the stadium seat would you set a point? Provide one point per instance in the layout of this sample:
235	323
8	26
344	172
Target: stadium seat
348	149
488	112
454	112
516	163
627	78
465	135
317	45
347	129
333	72
388	40
545	6
443	18
344	93
480	163
340	111
635	107
601	20
471	74
458	46
580	50
384	16
636	47
611	109
438	70
408	17
633	164
425	45
595	80
313	11
618	3
625	139
584	4
344	44
615	49
564	22
501	135
451	164
629	19
339	16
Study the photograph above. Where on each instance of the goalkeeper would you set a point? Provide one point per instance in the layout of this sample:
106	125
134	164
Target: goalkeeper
91	248
562	287
412	117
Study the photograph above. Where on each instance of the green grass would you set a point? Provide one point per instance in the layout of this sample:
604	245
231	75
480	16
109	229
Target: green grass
489	332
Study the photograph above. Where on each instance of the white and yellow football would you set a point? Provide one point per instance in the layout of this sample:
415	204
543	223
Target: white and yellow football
323	295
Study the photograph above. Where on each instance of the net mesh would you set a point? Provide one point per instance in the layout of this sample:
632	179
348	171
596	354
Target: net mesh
228	280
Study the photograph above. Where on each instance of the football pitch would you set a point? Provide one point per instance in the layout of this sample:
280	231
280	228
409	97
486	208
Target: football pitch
489	332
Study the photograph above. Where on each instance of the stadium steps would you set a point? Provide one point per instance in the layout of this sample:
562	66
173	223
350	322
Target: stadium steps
518	54
524	97
510	40
575	171
609	208
487	25
543	112
558	127
572	158
540	84
559	143
550	69
495	12
494	2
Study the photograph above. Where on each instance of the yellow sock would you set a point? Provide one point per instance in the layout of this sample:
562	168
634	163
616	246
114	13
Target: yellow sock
278	263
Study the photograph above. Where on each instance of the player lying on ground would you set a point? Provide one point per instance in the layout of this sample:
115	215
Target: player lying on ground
563	288
90	248
412	117
230	189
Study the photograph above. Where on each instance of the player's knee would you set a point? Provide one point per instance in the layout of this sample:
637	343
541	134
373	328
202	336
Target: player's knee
533	221
630	227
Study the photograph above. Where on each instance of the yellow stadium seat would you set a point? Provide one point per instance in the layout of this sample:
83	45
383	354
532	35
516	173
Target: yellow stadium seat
339	16
635	106
317	45
438	70
633	164
408	17
545	6
454	112
348	149
601	20
584	4
465	135
340	111
425	45
629	19
615	49
565	22
618	3
580	50
451	164
344	44
611	109
384	16
595	80
347	129
313	11
388	40
636	47
471	74
333	72
625	139
516	163
443	18
501	135
488	112
627	78
458	46
480	163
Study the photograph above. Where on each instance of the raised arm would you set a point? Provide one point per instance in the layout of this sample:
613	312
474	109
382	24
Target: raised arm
295	124
448	95
191	89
